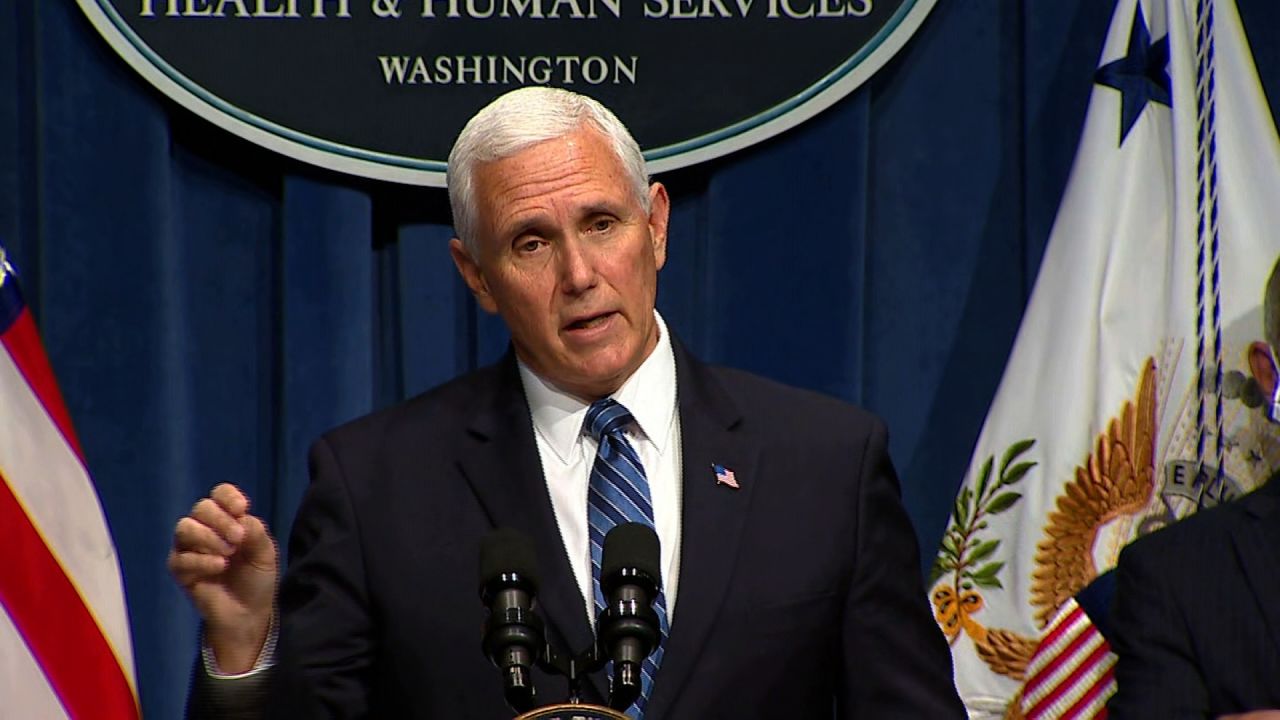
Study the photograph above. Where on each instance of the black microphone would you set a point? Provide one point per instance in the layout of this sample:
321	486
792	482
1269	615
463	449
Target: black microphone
513	634
628	627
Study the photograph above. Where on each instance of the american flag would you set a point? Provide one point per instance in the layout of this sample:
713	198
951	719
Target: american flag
724	476
1070	675
65	650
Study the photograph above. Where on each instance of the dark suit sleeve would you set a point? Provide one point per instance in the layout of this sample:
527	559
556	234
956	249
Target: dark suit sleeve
1157	675
326	646
896	663
225	698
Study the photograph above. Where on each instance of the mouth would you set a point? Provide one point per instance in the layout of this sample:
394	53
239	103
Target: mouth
589	322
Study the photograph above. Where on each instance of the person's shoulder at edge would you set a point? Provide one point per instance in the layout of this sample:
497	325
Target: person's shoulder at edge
1196	533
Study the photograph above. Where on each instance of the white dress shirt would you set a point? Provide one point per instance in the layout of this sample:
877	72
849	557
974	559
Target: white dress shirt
567	454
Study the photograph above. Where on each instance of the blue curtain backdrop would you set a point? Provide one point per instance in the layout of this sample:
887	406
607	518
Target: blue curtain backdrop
210	307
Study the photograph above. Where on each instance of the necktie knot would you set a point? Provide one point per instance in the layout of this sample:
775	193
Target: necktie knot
605	418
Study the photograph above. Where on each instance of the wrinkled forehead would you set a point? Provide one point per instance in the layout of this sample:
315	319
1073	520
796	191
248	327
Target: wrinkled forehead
573	165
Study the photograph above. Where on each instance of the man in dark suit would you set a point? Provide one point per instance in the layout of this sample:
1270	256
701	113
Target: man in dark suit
1197	607
789	566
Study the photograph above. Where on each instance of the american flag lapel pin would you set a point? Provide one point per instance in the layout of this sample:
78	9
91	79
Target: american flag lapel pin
724	476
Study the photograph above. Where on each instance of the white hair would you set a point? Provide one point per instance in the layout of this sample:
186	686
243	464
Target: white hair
519	119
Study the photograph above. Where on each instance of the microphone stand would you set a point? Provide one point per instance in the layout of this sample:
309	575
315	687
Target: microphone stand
573	668
627	631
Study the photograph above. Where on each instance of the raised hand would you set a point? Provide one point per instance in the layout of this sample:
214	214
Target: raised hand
226	561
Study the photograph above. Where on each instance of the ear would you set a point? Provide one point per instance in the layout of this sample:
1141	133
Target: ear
659	218
472	275
1263	368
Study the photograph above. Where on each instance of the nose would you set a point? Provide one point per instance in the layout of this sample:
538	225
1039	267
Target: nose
577	274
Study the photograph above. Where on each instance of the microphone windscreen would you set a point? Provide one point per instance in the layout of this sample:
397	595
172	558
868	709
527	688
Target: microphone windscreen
507	550
630	545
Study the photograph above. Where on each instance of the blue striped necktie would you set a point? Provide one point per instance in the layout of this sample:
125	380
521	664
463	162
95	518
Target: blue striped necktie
619	493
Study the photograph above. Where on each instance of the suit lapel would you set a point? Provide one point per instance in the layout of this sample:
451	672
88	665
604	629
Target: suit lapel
501	462
1257	543
713	516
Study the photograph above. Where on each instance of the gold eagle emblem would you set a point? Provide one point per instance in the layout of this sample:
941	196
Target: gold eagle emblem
1117	478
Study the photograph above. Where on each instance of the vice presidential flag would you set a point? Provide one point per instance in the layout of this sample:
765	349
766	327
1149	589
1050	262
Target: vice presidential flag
1127	402
64	634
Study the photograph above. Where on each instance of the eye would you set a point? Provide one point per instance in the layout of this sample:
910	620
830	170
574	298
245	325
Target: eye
601	225
527	245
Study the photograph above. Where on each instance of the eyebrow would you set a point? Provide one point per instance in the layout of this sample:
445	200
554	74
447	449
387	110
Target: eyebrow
535	220
605	207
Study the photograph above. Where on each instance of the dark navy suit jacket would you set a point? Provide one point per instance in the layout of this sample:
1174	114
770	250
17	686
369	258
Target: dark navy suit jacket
1197	614
800	592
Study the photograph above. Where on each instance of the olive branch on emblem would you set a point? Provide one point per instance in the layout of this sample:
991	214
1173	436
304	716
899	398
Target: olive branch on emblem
963	548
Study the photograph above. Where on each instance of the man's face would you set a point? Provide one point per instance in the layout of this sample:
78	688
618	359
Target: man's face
569	258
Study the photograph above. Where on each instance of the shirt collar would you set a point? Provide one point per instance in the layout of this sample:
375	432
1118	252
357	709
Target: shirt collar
650	395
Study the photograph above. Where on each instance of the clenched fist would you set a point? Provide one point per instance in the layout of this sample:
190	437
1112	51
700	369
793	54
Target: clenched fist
226	561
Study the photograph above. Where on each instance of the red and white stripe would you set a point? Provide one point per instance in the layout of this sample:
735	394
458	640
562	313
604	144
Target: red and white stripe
64	633
1070	675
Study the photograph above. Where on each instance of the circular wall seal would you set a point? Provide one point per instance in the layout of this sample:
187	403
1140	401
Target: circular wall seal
380	88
